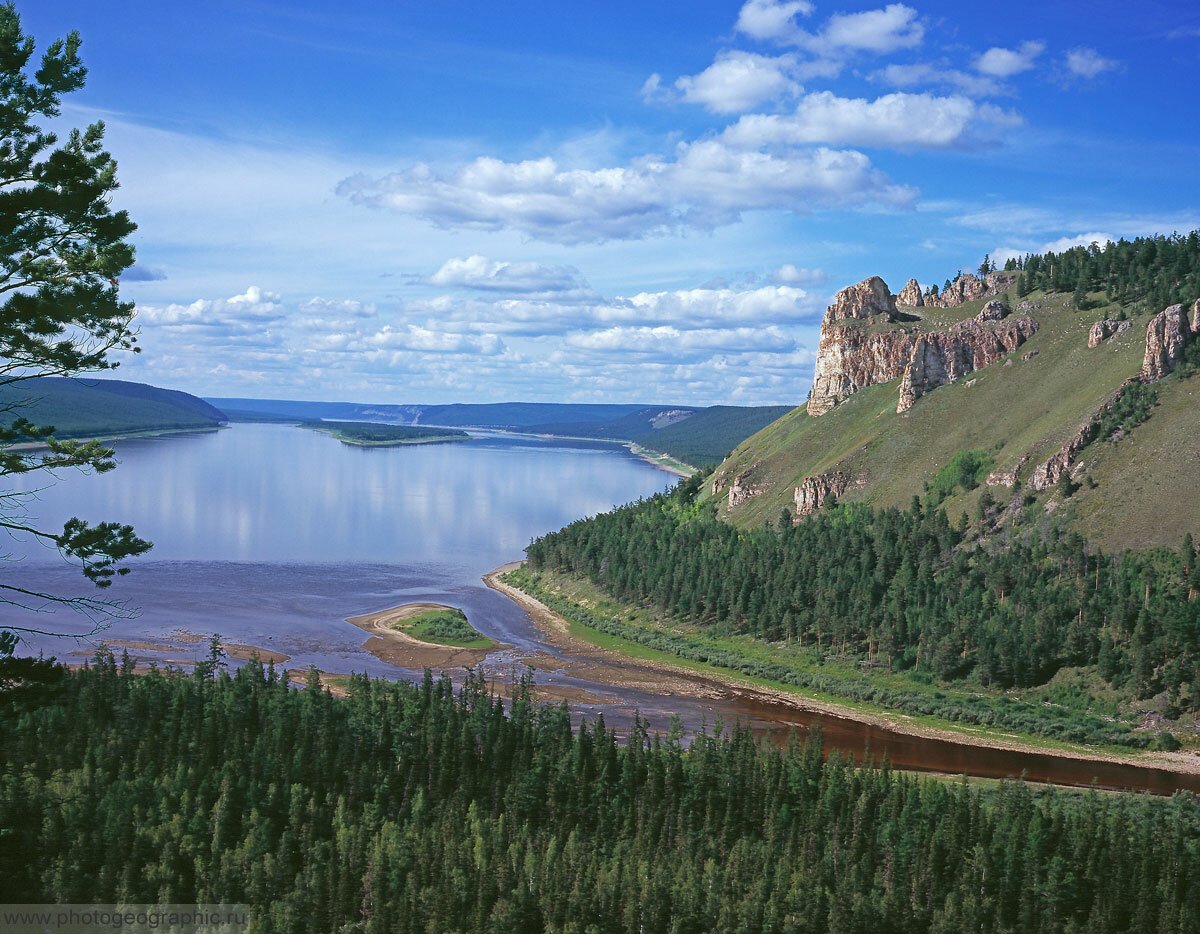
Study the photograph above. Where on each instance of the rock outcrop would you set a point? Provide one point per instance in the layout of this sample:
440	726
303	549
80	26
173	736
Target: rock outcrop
968	288
992	311
1196	317
1047	474
940	358
1166	335
868	299
812	492
1103	330
1008	478
910	296
743	487
850	359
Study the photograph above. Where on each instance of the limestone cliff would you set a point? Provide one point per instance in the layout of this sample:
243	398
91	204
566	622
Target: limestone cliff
940	358
862	345
968	288
812	492
1166	335
910	296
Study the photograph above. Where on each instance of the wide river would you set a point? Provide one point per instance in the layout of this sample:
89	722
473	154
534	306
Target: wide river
272	535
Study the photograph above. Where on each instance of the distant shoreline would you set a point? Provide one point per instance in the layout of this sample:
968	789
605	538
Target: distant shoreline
120	436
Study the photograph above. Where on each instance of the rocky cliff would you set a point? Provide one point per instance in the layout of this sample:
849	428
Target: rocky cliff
1166	335
910	296
940	358
851	356
967	288
813	492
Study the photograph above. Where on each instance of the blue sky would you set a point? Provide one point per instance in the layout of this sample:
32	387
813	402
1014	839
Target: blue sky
642	202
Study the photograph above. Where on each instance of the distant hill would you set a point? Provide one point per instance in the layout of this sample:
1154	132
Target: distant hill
700	437
97	408
1075	405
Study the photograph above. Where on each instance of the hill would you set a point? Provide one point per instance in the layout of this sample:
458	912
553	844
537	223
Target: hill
700	437
905	396
91	408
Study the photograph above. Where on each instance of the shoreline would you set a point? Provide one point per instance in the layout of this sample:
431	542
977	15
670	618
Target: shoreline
556	628
122	436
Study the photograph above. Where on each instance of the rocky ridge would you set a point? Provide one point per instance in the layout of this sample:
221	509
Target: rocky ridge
851	357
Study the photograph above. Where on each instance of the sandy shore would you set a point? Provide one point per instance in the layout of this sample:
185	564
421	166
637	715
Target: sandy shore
666	678
398	648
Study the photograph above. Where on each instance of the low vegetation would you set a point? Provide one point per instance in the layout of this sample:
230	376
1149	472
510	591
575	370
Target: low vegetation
444	627
375	434
407	808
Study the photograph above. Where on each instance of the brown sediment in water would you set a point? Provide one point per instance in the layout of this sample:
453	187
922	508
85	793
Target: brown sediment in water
906	743
402	650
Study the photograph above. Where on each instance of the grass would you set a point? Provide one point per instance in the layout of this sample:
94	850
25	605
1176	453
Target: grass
1069	702
444	627
1029	407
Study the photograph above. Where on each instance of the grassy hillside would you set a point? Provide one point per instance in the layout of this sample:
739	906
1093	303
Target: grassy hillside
87	408
1029	406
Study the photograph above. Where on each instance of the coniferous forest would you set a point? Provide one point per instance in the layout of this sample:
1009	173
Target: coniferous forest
416	808
907	589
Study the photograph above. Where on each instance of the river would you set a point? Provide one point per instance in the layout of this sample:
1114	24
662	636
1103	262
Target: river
272	535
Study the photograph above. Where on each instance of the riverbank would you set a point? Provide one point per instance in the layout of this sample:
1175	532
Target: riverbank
697	679
120	436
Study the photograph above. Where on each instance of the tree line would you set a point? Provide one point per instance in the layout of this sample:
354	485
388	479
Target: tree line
413	808
905	588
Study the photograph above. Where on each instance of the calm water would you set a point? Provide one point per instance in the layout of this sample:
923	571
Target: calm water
272	535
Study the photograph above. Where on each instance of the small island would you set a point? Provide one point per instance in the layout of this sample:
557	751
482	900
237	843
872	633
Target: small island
425	635
376	434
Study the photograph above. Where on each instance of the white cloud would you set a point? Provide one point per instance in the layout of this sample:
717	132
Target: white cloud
706	185
254	306
737	81
790	274
1088	63
426	340
771	19
899	120
1004	63
678	343
333	306
890	29
924	74
1002	254
525	278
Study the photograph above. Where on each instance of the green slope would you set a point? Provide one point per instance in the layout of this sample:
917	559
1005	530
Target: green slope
88	408
1028	407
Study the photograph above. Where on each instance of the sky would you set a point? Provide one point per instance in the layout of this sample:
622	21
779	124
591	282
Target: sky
600	202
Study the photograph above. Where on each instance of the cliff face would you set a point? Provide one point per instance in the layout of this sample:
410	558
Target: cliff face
1103	330
1166	335
937	359
968	287
851	357
910	296
812	492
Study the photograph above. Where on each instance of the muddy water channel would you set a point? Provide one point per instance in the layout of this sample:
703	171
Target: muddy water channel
272	536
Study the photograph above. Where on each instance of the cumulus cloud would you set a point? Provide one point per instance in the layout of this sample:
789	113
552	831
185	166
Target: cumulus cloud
1004	253
682	344
338	306
426	340
737	81
791	274
771	20
1088	63
1004	63
890	29
705	185
924	74
479	273
899	120
254	306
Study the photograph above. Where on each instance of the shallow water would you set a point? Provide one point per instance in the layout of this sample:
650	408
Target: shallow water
272	535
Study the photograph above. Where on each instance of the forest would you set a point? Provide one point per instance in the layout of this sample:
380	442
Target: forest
419	808
905	589
1151	272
